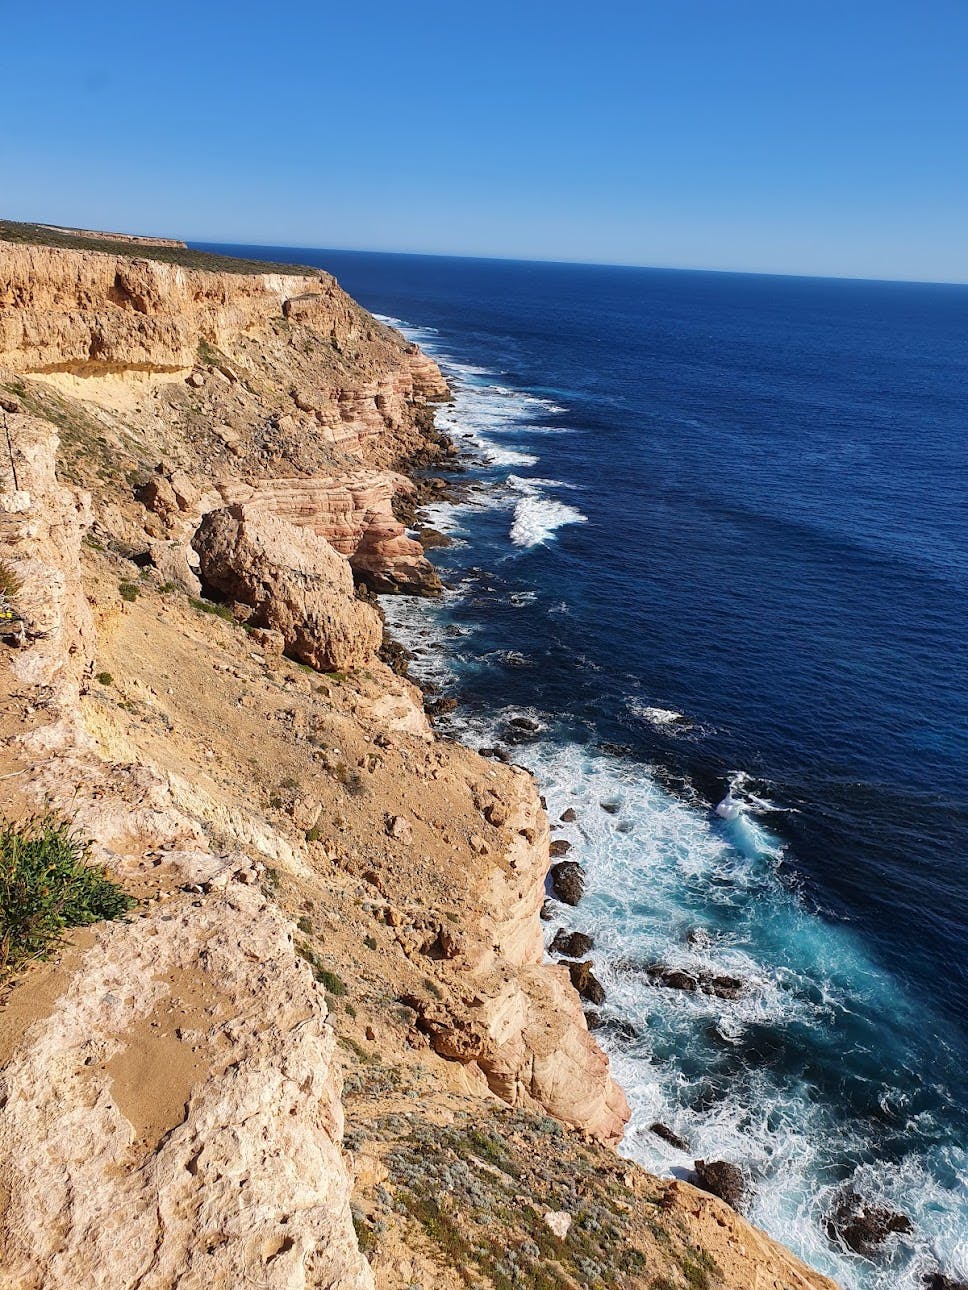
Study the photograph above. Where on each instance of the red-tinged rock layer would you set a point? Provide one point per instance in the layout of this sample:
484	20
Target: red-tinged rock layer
354	512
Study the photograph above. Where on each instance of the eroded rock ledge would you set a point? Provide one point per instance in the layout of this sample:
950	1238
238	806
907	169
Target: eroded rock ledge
327	891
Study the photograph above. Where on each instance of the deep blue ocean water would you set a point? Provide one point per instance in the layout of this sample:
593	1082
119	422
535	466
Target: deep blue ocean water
716	547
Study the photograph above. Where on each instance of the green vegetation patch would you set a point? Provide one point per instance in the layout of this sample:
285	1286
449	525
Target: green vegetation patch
46	885
10	584
82	240
211	607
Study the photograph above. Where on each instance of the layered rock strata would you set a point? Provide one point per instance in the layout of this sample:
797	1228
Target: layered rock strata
326	890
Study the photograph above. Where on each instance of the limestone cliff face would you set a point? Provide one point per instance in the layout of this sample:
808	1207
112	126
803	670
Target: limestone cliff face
354	512
336	909
88	315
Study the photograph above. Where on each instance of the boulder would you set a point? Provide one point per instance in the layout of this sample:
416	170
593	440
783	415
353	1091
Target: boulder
721	1179
862	1227
569	816
559	1221
586	983
293	582
669	1135
560	847
568	881
571	945
171	561
720	985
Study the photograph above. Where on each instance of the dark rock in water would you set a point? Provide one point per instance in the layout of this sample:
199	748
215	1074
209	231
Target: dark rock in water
396	656
614	750
453	630
438	707
544	802
723	987
569	816
521	730
568	881
524	723
721	1179
938	1281
573	945
593	1019
620	1029
560	847
611	807
668	1135
862	1227
699	937
498	754
547	911
433	537
586	983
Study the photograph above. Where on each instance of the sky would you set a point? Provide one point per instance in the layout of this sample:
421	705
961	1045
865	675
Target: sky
787	136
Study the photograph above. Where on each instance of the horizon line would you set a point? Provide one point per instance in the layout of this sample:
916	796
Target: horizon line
583	264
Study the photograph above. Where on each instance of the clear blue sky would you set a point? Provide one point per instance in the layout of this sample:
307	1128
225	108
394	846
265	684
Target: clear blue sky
802	136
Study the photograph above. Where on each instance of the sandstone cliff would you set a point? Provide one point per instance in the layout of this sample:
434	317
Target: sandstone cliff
338	912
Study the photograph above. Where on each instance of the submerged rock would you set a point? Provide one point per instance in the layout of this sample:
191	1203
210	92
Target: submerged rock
721	1179
669	1135
862	1227
569	816
571	945
722	986
568	881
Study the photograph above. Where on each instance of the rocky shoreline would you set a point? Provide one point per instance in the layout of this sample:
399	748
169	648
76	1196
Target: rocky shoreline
209	476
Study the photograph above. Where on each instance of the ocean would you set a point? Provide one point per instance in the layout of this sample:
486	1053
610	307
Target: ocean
714	549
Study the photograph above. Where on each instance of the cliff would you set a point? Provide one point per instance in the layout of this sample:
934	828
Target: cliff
324	1049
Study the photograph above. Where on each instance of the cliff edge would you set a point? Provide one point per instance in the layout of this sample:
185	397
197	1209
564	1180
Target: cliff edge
324	1048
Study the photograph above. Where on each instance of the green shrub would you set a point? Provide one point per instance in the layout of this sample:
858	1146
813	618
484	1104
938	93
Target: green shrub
210	607
46	885
104	678
330	982
128	591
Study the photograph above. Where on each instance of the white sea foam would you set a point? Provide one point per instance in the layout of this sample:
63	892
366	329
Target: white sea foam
662	718
537	519
499	456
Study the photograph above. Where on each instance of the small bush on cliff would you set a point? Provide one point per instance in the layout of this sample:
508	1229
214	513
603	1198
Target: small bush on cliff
46	885
10	584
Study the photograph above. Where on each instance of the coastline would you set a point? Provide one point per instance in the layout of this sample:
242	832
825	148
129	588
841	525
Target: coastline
422	632
338	913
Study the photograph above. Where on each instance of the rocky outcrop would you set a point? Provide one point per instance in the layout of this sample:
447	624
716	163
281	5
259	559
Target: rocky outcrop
354	513
288	580
863	1227
722	1179
170	1113
509	1013
184	1085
